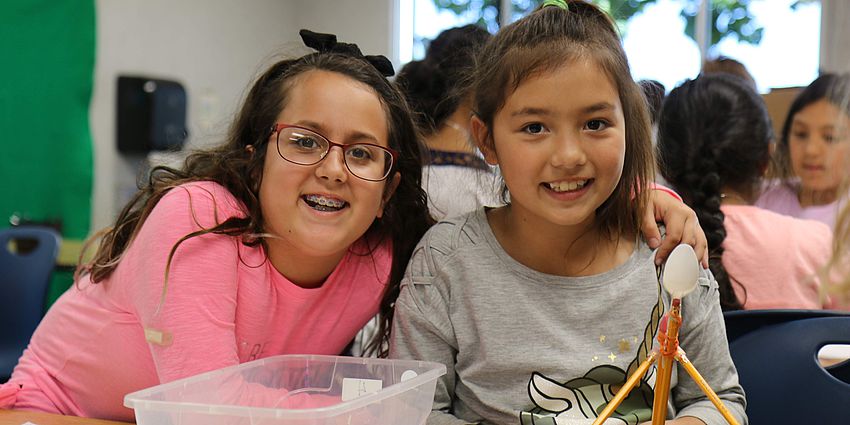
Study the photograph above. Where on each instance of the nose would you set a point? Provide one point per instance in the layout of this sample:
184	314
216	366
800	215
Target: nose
567	152
332	166
814	147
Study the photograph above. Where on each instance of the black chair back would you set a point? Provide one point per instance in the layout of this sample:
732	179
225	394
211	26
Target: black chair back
778	366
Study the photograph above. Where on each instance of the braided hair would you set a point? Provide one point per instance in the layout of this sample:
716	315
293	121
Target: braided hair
714	133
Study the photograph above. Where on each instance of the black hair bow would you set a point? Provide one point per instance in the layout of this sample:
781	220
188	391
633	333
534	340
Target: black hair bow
326	43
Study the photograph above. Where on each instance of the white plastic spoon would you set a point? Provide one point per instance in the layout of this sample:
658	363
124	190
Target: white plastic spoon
681	271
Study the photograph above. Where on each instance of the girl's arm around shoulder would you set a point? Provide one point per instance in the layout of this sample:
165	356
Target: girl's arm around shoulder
703	338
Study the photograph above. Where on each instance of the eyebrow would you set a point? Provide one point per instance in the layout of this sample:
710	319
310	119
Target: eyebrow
531	111
796	123
356	136
596	107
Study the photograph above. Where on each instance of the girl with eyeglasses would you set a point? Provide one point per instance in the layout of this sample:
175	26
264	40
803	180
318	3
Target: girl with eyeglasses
540	309
286	239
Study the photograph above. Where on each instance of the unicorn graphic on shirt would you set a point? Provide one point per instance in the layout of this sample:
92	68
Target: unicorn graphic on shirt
581	400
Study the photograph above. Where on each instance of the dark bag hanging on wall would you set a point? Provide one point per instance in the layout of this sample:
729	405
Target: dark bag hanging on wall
151	115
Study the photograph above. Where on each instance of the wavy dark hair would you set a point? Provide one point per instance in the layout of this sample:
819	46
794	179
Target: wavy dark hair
434	86
238	168
550	38
833	88
714	132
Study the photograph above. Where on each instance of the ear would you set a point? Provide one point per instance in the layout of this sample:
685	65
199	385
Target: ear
481	136
392	185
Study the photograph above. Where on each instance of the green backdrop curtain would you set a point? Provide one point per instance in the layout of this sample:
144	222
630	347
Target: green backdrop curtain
46	78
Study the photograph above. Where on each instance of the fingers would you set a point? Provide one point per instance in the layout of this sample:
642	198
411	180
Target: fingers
701	247
667	244
649	228
695	237
681	224
682	228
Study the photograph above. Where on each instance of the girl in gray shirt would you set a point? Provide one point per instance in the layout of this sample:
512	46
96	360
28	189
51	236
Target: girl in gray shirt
542	308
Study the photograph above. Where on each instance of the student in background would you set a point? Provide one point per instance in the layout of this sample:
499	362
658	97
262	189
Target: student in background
541	308
726	65
761	259
456	179
813	154
286	239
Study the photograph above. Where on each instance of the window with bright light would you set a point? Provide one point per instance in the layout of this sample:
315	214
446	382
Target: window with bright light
655	39
787	54
428	21
789	51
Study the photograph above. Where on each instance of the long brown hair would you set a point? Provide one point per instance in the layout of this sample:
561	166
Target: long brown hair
549	38
238	167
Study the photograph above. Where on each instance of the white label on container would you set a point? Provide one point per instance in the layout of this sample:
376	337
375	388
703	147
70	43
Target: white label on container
354	387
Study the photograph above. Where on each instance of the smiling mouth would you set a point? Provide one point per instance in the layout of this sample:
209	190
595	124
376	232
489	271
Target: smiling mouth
567	186
323	203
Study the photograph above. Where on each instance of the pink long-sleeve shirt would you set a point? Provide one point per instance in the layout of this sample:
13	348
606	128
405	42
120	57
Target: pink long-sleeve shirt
224	304
774	259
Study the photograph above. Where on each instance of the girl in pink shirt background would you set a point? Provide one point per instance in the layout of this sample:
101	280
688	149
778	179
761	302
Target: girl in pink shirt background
714	147
286	239
813	156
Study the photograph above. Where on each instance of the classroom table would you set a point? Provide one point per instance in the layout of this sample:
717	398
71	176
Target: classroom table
18	417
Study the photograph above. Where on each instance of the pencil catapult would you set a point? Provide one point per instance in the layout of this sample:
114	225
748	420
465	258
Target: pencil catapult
680	278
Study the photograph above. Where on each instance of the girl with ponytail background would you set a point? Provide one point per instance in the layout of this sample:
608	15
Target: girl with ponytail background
714	147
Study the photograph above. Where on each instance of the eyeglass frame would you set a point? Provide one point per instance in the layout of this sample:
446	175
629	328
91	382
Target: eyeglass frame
275	131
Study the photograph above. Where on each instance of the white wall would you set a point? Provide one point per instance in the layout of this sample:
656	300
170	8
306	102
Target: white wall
368	23
215	48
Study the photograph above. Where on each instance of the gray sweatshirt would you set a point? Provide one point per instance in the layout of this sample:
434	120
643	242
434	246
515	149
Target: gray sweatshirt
521	346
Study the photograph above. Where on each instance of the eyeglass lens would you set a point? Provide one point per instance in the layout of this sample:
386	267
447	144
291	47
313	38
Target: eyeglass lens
306	148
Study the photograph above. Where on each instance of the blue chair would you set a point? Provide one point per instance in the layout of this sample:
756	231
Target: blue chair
779	369
741	322
24	279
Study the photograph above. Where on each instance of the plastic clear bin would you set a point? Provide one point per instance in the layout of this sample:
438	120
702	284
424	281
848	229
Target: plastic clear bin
295	390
